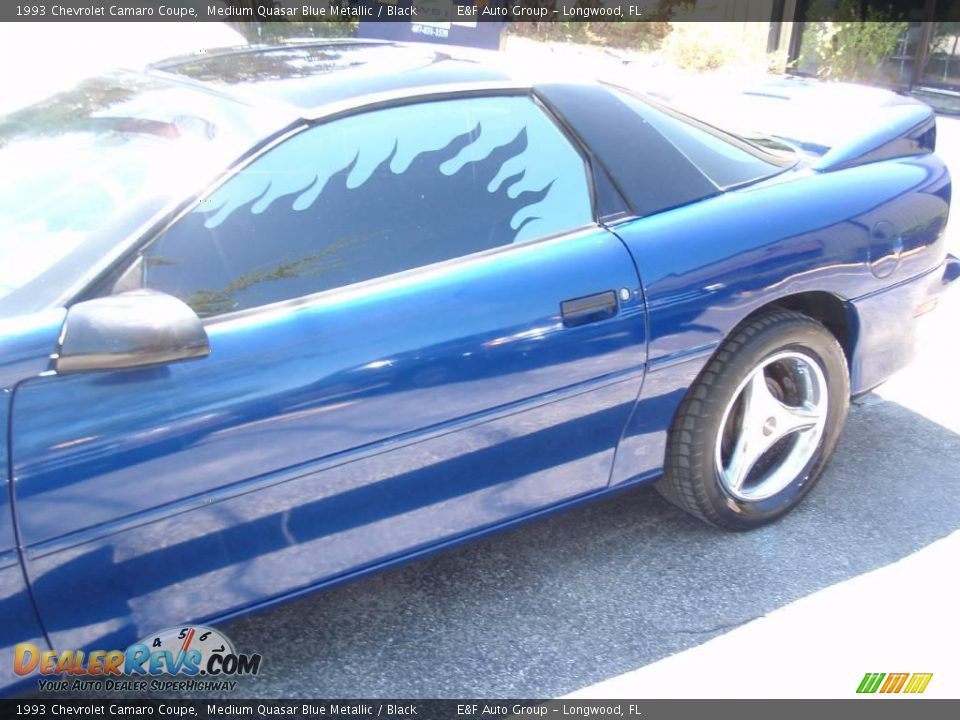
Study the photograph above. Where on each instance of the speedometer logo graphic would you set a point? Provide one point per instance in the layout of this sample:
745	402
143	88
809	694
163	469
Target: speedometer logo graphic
179	641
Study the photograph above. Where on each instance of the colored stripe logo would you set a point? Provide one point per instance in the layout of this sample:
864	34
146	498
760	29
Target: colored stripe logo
894	682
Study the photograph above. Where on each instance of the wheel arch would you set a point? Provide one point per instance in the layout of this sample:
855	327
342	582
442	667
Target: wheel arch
659	404
839	316
693	429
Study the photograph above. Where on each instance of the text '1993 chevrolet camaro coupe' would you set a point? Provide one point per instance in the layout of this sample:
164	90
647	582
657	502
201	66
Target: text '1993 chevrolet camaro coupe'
273	318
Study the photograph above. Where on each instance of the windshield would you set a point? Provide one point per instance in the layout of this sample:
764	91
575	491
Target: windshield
81	171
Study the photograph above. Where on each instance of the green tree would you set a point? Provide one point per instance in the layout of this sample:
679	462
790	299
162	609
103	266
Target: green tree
855	44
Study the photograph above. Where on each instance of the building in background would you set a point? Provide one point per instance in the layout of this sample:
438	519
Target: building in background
926	57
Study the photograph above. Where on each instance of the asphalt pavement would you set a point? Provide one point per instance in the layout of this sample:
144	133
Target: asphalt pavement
565	602
562	603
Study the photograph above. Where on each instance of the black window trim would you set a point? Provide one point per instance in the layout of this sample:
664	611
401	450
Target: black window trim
783	162
608	206
103	281
303	302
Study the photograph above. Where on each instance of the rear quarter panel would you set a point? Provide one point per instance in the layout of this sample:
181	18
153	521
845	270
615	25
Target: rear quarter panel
707	266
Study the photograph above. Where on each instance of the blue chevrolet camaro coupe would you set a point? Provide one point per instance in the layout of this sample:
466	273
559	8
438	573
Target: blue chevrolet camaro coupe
273	318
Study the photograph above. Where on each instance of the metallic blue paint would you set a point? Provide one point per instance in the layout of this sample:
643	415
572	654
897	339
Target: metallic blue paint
338	434
906	129
18	619
763	246
365	423
746	249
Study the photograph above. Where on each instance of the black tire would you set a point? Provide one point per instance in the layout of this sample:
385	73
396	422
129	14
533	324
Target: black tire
691	480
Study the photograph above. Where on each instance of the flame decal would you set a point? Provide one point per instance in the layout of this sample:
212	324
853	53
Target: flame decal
327	234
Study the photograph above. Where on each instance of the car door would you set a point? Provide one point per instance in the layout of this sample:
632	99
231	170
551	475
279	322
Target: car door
417	331
18	620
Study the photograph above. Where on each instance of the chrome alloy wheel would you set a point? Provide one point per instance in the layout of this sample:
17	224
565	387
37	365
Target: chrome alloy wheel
772	427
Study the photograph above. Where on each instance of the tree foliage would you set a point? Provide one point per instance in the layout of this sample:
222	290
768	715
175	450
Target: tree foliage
854	45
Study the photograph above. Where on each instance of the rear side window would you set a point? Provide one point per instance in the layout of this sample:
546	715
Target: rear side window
374	194
725	159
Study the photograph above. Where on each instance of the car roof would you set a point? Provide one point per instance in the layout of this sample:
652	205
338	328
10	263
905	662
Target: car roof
319	79
309	75
230	106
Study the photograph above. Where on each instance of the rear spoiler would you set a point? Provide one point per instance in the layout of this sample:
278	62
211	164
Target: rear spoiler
902	130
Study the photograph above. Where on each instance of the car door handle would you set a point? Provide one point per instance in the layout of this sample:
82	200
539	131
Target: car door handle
588	309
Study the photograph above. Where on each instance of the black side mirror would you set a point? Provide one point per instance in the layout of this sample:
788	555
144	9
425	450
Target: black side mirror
130	330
